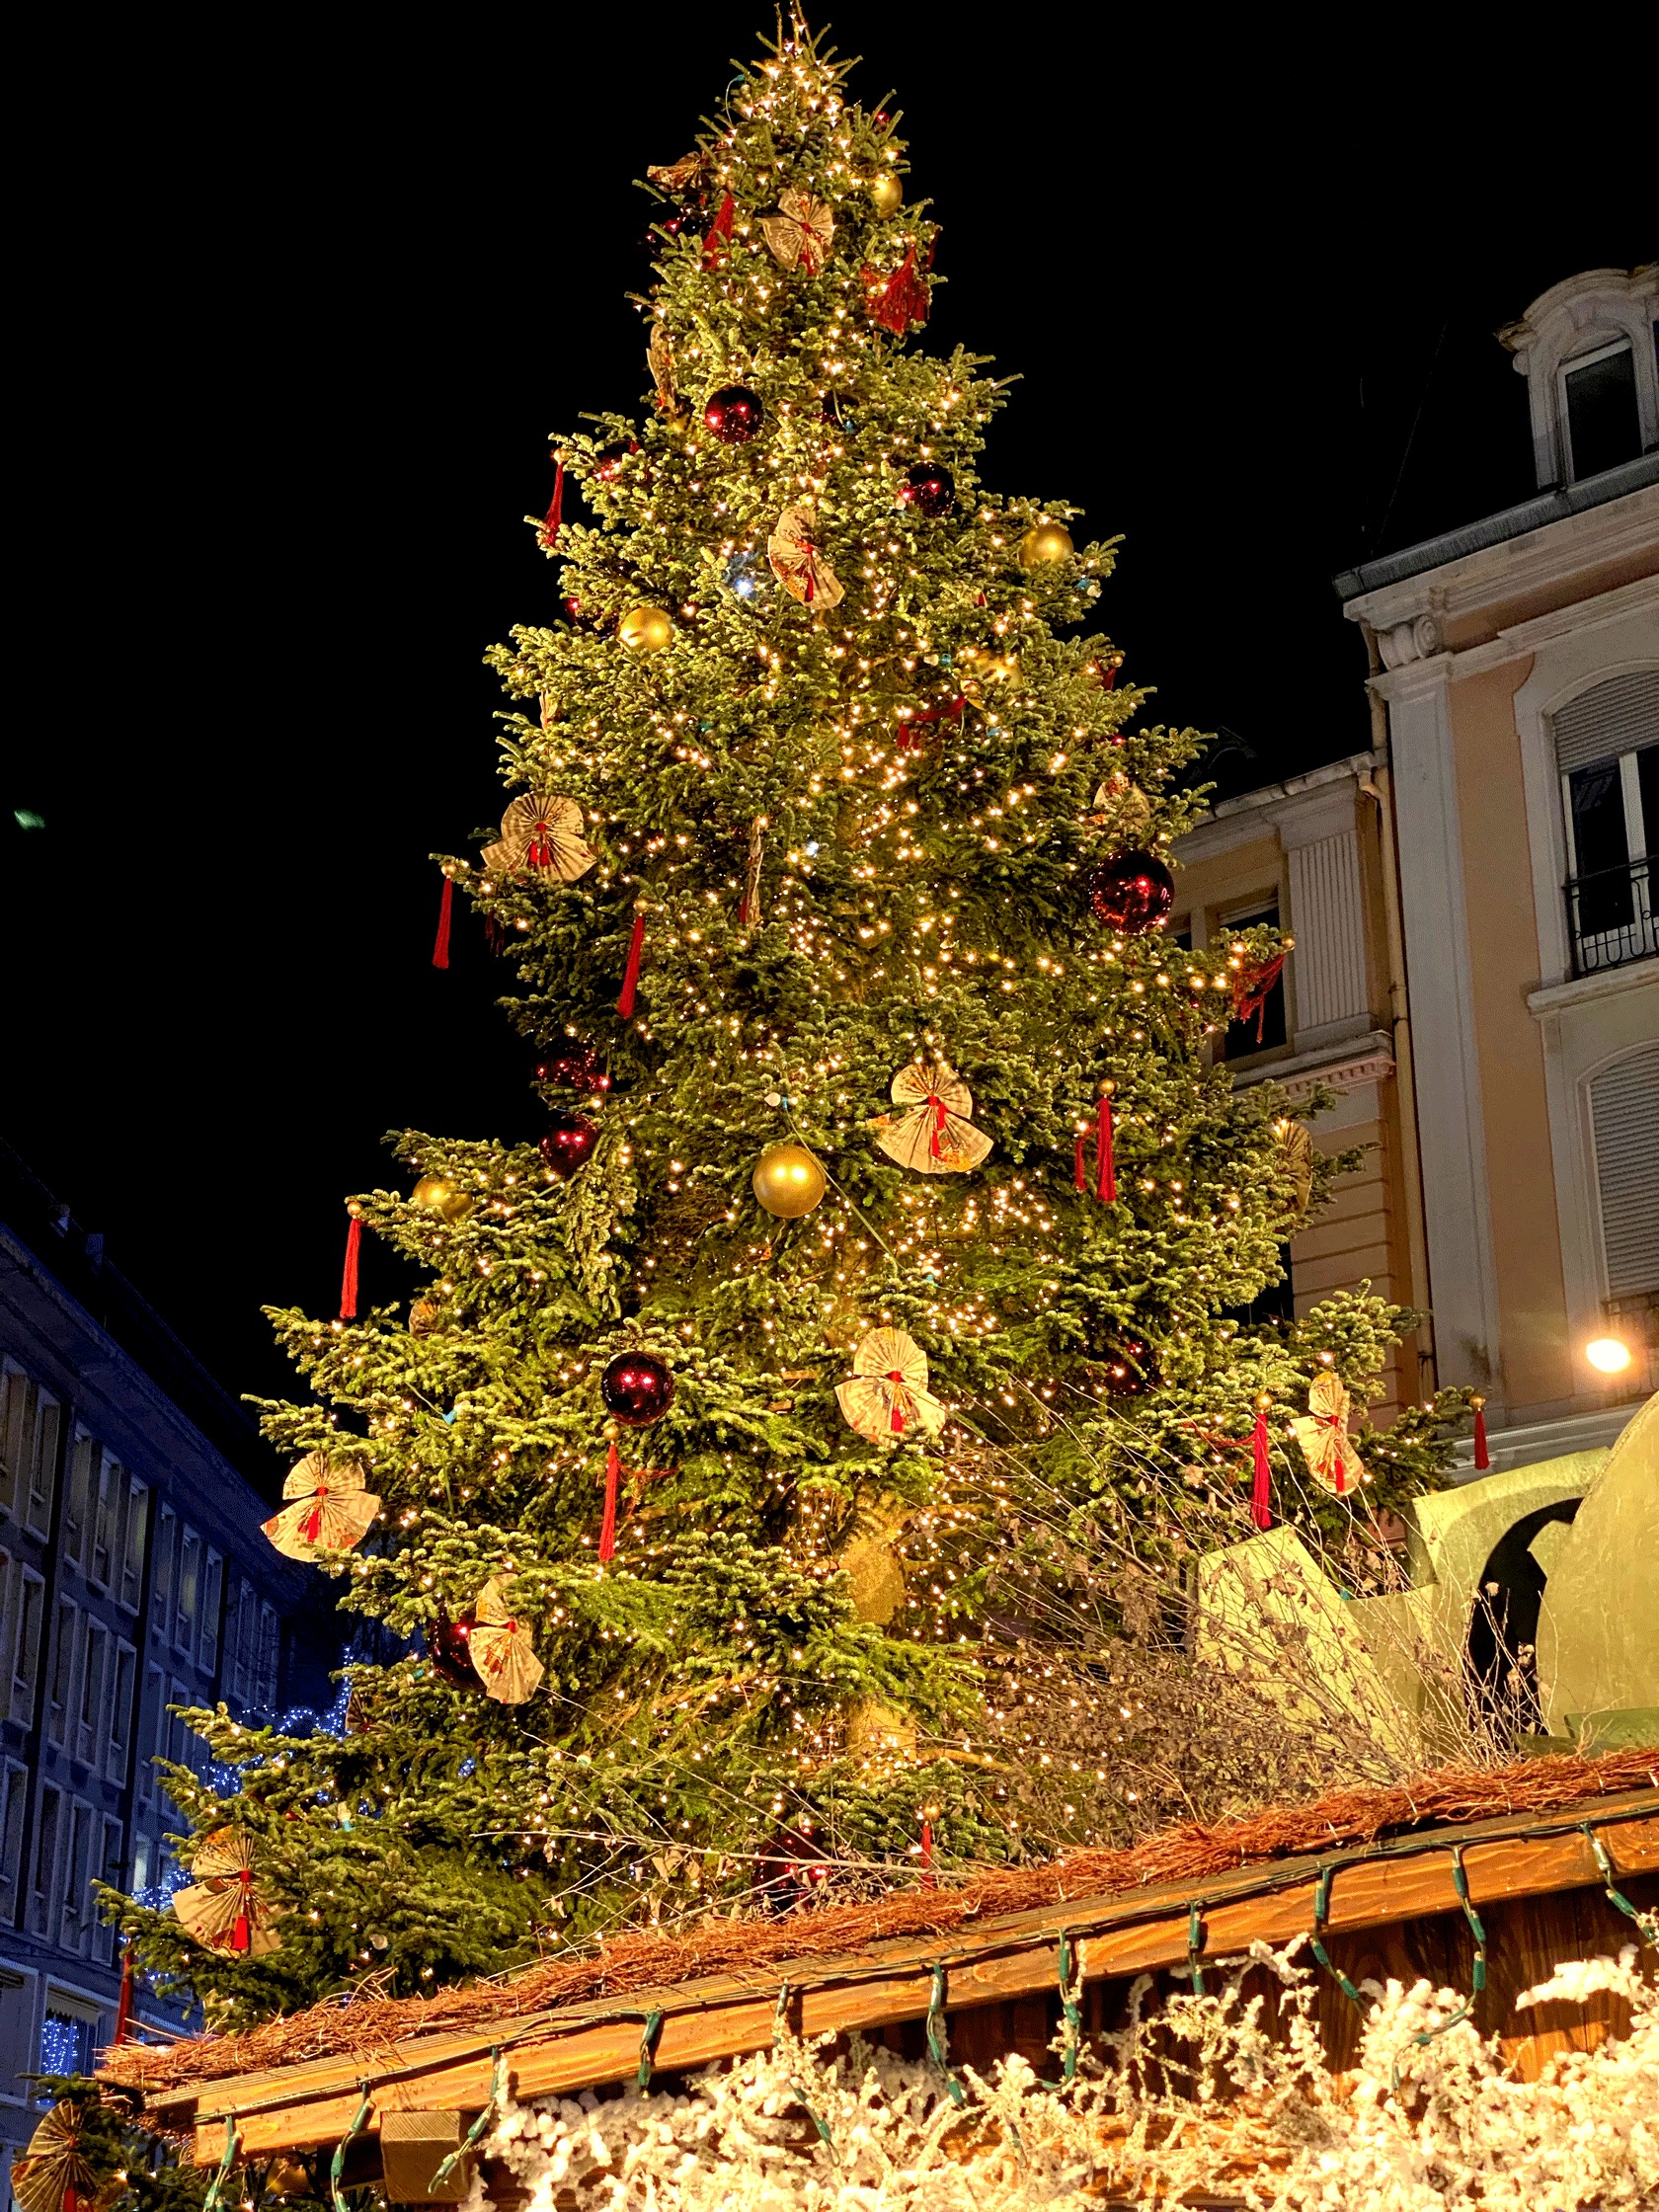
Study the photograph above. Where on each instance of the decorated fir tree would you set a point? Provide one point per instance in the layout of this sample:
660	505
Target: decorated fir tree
850	1325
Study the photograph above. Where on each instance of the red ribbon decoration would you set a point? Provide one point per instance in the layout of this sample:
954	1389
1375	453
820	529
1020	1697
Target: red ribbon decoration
311	1527
239	1936
1252	993
548	534
630	973
929	1880
896	1422
941	711
607	1526
1106	1166
941	1113
541	851
1482	1458
445	912
1261	1491
719	232
898	300
124	2003
348	1275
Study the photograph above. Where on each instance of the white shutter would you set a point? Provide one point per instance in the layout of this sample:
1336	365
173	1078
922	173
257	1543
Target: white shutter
1624	1113
1616	716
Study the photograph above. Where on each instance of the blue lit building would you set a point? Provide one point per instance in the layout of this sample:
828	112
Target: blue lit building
133	1577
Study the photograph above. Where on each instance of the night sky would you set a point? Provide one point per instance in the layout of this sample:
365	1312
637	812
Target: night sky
293	324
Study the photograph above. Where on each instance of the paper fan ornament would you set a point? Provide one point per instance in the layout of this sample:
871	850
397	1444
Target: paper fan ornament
1295	1147
887	1392
935	1136
52	2176
658	355
1323	1433
223	1908
680	174
500	1648
331	1509
797	562
798	234
540	830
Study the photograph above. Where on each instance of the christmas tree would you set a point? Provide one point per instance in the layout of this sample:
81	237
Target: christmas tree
865	1315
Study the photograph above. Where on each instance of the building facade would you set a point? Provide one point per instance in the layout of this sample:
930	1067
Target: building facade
133	1577
1476	960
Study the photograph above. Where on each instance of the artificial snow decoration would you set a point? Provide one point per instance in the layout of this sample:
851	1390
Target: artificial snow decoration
500	1648
933	1135
544	832
1323	1433
330	1509
888	1388
796	2129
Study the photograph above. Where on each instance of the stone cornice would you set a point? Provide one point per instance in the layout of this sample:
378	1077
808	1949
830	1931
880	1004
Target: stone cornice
1584	991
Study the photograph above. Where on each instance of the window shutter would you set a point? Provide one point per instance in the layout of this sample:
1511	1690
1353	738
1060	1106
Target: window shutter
1624	1113
1616	716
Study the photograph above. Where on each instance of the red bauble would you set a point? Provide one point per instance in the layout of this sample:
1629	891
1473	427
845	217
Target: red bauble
570	1139
449	1647
607	465
1133	892
637	1389
733	414
930	490
571	1067
1128	1368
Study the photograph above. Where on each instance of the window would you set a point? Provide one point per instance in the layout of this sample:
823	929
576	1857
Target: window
1266	1026
1607	748
43	1895
244	1670
89	1718
77	1496
188	1595
65	1652
107	1529
1624	1117
161	1572
132	1547
152	1741
109	1870
29	1420
13	1804
1604	424
144	1864
270	1656
120	1740
68	2039
26	1613
75	1926
212	1604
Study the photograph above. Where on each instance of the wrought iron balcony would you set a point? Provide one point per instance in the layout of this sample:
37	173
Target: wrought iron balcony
1610	916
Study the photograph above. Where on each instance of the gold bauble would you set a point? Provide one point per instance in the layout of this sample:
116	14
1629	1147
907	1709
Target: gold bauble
647	629
788	1181
887	194
1045	542
436	1194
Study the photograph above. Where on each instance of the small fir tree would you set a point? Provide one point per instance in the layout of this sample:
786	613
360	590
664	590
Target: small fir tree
826	781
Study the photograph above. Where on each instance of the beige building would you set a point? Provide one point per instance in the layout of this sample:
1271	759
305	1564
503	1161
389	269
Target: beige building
1477	962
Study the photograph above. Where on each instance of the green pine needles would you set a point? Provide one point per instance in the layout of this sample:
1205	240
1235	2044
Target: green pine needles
832	728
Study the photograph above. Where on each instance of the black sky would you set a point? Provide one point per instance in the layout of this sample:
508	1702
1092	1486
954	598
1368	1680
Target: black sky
297	320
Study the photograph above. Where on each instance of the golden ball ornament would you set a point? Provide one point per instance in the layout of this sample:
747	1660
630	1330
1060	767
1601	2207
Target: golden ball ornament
788	1181
887	194
436	1194
1045	542
646	629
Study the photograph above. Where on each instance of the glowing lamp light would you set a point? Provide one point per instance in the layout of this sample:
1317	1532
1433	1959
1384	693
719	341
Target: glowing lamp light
1607	1356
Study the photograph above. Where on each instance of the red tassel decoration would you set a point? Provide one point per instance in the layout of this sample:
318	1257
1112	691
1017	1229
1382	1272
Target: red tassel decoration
1261	1492
630	973
1482	1458
1106	1166
1252	992
240	1937
1079	1169
124	2003
719	233
548	535
607	1526
445	913
900	299
348	1275
941	1114
929	1880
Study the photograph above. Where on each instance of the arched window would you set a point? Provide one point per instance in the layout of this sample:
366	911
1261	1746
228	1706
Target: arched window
1625	1120
1607	749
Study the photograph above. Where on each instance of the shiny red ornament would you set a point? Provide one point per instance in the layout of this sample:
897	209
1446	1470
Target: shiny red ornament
733	414
571	1067
449	1647
1132	893
637	1389
930	490
569	1140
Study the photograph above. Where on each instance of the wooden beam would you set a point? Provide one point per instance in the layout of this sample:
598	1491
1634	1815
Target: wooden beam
584	2046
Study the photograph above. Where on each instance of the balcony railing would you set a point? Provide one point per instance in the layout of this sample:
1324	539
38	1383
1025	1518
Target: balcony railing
1611	918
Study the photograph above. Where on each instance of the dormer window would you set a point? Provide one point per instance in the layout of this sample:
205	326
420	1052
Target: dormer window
1599	409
